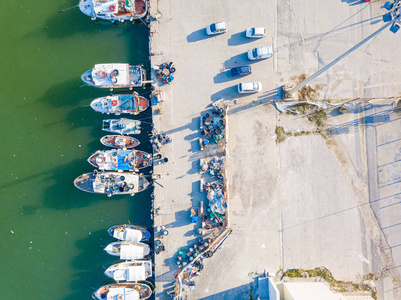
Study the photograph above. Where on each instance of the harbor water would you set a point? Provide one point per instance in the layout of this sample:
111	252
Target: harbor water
52	234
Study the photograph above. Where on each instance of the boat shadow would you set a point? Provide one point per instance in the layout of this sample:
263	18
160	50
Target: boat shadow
62	194
88	270
70	22
70	93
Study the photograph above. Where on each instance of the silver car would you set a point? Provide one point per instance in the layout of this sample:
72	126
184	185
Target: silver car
255	32
260	53
216	28
249	87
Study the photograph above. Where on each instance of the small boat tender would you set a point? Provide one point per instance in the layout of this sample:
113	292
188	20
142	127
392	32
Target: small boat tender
130	233
119	141
122	126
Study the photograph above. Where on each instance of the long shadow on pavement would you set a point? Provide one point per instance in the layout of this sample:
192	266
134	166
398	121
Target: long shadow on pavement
373	119
239	60
239	39
227	93
198	35
193	125
255	289
225	76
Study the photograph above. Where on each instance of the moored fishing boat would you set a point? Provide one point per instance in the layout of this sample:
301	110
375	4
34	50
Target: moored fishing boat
128	250
114	10
120	160
124	232
123	291
137	270
122	126
119	141
120	104
114	76
112	183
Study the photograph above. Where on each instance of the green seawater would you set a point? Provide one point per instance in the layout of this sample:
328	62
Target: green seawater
52	234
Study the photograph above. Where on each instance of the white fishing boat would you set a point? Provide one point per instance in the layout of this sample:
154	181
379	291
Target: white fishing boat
134	271
123	291
114	10
129	233
120	160
122	126
128	250
120	104
113	76
112	183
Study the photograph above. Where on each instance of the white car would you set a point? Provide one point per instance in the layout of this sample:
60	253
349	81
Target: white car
216	28
260	53
249	87
255	32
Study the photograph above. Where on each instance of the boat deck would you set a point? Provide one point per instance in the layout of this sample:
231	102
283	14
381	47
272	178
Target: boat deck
143	289
140	8
135	76
122	126
85	182
130	103
122	160
142	159
119	141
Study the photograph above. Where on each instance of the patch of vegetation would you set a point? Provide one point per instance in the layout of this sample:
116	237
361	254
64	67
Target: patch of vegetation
303	108
318	117
280	134
294	273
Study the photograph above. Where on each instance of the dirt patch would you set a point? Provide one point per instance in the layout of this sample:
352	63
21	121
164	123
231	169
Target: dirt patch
307	93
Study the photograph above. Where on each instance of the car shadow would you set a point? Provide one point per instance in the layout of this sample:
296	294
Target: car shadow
239	39
228	93
198	35
236	60
224	76
240	60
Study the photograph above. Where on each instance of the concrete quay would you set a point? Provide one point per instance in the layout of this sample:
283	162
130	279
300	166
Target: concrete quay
302	203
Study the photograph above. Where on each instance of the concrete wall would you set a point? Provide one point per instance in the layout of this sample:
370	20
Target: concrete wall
308	291
274	293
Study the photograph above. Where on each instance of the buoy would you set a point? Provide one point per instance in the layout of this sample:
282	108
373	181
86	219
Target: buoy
112	7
